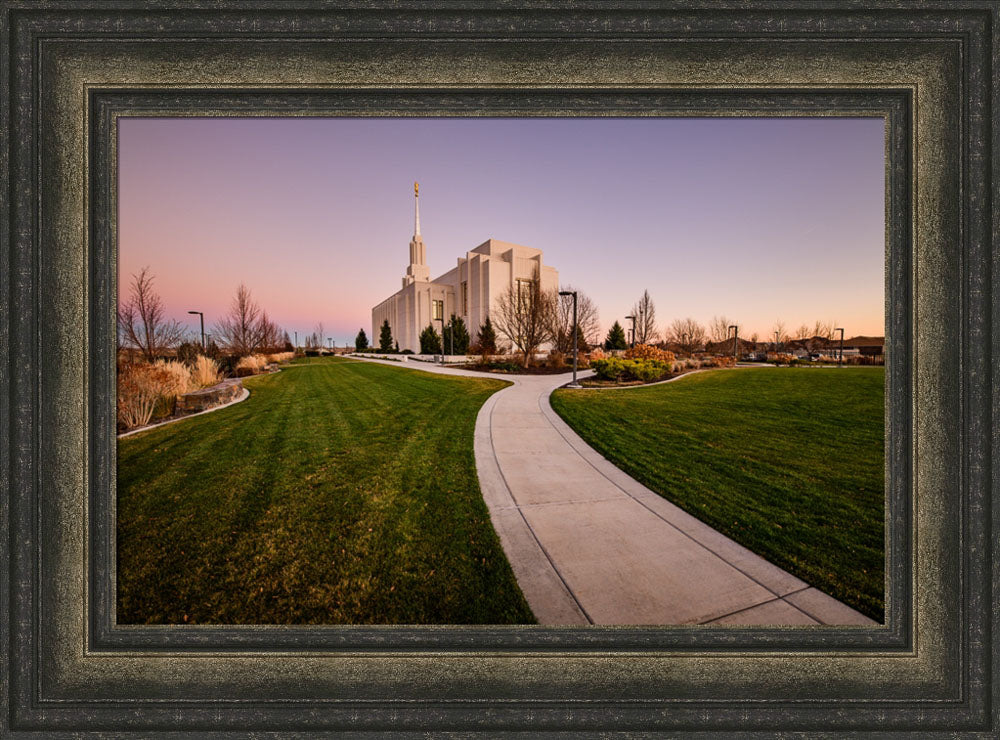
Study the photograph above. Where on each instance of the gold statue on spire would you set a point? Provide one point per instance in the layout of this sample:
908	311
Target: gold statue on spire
416	189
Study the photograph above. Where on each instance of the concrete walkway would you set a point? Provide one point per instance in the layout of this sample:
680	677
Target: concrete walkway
591	545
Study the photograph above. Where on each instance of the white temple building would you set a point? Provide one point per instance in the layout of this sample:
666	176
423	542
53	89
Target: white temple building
468	290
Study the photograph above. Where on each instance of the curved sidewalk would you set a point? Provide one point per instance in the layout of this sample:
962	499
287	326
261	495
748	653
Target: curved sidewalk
591	545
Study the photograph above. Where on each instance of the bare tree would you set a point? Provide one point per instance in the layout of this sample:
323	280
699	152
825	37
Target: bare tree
687	334
246	328
562	320
142	324
270	335
802	332
645	320
779	330
523	314
718	328
824	329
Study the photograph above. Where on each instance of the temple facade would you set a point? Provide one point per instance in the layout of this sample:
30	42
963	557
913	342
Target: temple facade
468	290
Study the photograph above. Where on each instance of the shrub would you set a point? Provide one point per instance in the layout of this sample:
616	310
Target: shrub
141	388
724	361
279	357
610	368
597	354
250	365
648	352
205	372
557	360
648	370
618	369
188	352
505	366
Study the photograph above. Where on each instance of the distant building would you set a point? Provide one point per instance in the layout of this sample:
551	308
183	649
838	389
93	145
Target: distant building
468	290
868	346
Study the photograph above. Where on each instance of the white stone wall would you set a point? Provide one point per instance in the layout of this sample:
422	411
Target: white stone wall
490	269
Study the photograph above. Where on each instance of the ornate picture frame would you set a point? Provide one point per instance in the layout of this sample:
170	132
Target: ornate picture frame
71	69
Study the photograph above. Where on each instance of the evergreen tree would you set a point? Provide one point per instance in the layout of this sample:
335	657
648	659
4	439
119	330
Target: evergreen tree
456	337
361	341
430	342
396	350
487	338
385	337
616	338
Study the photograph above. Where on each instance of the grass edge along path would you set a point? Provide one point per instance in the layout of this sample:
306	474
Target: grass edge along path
340	492
788	462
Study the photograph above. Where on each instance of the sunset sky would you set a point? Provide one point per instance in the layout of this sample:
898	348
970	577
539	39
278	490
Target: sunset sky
754	219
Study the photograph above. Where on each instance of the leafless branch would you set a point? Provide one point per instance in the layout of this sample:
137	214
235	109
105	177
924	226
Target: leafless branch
523	314
142	322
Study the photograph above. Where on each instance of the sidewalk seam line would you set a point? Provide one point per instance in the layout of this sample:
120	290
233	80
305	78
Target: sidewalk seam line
768	601
545	398
541	547
810	614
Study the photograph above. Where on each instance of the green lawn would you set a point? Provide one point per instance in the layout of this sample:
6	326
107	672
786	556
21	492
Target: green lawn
340	492
786	461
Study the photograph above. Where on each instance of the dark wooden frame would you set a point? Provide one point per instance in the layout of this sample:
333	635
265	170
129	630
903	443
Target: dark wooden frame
71	68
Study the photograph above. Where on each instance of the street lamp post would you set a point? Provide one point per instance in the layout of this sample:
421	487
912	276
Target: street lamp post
441	319
202	316
633	328
296	340
775	341
736	342
840	359
574	384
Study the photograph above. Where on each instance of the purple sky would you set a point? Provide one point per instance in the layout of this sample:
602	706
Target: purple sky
754	219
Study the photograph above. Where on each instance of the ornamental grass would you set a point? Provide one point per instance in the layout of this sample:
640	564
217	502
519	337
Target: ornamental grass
205	372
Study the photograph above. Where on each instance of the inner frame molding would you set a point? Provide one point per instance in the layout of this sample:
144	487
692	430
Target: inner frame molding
108	106
72	669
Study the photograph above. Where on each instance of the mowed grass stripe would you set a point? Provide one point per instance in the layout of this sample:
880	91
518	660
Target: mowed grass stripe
789	462
340	492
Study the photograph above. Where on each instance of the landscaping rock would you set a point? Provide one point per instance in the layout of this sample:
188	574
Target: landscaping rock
206	398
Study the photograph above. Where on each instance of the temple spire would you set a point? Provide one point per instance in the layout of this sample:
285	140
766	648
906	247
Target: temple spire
417	270
416	209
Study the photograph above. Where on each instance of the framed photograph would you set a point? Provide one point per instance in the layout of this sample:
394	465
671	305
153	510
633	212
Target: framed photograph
765	502
660	403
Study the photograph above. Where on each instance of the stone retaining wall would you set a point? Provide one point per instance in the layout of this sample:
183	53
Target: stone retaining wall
206	398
